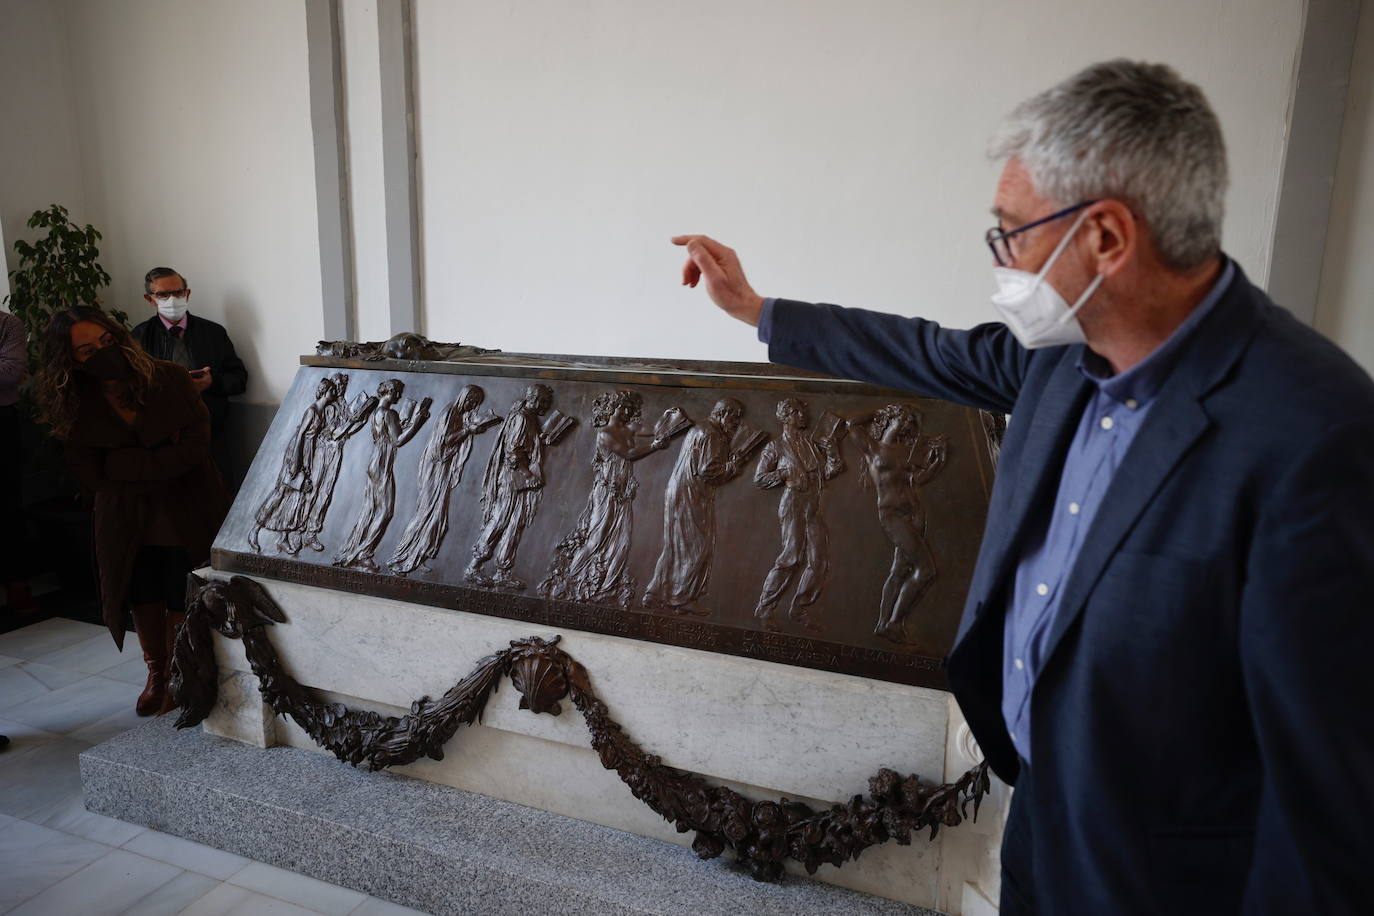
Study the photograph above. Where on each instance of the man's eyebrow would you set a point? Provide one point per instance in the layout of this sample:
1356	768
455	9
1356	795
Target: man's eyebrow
1001	215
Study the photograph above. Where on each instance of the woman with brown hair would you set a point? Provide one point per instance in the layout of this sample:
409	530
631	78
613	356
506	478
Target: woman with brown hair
137	437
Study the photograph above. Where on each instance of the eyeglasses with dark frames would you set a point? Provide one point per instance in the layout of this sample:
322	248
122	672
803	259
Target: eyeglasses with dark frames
999	241
171	294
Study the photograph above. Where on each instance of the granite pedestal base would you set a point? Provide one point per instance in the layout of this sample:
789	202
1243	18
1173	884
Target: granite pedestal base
420	844
764	729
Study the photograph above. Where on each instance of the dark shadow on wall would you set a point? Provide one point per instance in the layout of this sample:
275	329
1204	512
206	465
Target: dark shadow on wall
243	434
1335	298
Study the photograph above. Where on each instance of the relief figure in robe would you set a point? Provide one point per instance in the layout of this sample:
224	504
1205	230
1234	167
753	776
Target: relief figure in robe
898	460
800	463
704	463
511	487
441	469
341	423
591	564
285	508
389	433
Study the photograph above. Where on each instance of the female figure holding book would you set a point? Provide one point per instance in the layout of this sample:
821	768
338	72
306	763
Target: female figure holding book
591	563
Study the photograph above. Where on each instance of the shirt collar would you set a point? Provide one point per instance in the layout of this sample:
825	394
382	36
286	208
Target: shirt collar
171	324
1142	381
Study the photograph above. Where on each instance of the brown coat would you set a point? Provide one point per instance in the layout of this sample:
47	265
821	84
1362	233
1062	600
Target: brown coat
162	460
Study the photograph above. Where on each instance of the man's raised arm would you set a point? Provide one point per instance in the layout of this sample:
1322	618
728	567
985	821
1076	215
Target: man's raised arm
983	367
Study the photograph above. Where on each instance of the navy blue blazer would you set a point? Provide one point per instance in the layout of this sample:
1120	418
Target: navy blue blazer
1201	738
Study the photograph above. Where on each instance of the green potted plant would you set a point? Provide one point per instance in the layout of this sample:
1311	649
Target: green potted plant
56	271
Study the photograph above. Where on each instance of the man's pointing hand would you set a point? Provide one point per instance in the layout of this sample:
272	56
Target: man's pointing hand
725	283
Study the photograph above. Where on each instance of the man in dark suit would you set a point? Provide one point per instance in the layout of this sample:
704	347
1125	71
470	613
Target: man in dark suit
195	342
1165	639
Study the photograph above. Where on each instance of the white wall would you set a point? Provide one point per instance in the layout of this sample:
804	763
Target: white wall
40	162
363	120
1345	303
838	147
194	129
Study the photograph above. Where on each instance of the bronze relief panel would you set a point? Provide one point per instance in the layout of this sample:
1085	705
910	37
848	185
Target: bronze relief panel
803	521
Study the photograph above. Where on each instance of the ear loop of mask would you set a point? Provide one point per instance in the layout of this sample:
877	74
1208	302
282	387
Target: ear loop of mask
1082	300
1054	256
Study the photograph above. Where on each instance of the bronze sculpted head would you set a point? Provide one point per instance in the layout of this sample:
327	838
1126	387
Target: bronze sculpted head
624	402
792	412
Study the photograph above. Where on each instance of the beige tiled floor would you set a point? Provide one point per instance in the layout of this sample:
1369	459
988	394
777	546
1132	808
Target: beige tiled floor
63	688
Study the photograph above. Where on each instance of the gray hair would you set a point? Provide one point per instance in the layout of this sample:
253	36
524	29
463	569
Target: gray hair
1135	132
157	273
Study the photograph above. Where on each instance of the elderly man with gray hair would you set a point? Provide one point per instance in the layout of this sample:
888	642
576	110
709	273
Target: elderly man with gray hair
1166	637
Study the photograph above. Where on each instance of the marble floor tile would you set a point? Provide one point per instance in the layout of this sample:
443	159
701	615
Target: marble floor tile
18	686
117	724
47	636
7	660
23	736
35	858
70	816
300	889
106	887
48	676
75	706
129	671
232	900
374	907
174	896
39	777
91	656
195	857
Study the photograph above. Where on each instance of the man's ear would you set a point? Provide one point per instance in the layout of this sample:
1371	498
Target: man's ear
148	297
1114	235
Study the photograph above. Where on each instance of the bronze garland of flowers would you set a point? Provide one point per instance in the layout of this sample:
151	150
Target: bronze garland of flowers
762	834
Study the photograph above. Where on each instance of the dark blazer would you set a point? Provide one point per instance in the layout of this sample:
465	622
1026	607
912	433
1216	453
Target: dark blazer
1201	732
162	462
209	345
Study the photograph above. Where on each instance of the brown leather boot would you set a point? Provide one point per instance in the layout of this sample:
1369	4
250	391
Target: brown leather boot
174	621
150	623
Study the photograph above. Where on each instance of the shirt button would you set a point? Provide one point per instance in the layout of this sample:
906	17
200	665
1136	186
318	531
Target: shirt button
1107	423
1020	665
1073	508
1132	403
1042	589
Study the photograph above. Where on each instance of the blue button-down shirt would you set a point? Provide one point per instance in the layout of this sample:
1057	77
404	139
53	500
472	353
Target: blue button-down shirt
1109	424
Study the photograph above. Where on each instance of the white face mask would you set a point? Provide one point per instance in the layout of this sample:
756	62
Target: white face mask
172	308
1033	309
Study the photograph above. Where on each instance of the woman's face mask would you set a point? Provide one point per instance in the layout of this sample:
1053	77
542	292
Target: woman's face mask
108	364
